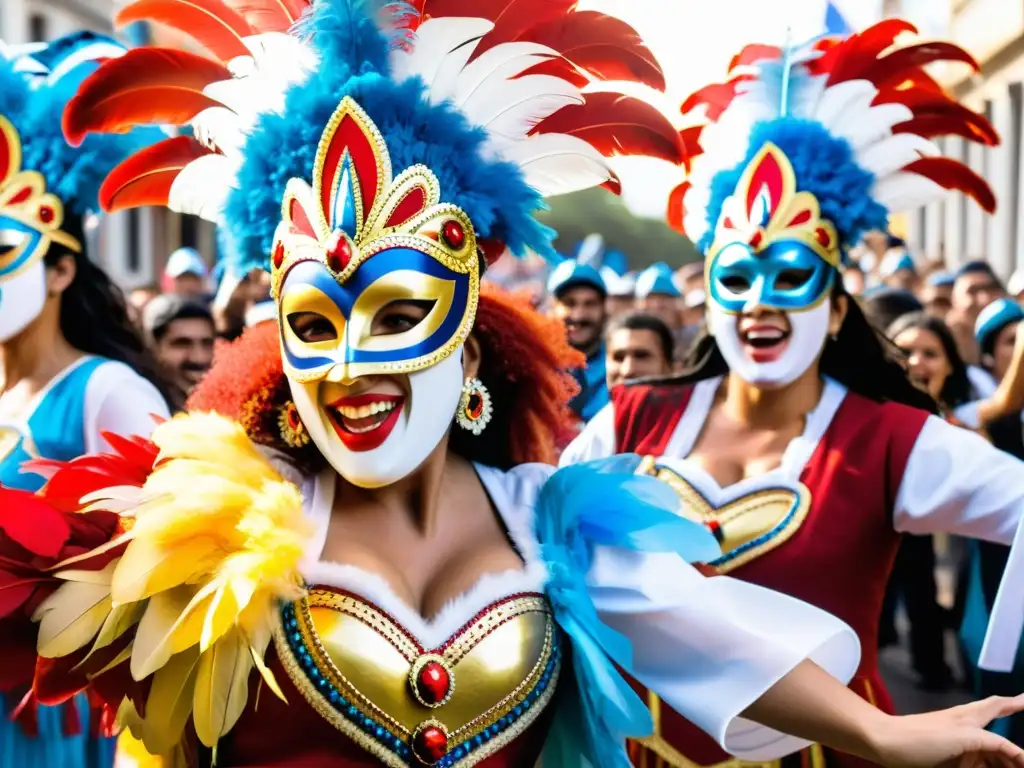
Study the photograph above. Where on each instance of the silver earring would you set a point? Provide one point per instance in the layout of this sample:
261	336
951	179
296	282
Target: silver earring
475	407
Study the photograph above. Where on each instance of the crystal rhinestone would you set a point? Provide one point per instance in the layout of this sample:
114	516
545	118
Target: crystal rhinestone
429	744
46	214
433	683
453	233
339	251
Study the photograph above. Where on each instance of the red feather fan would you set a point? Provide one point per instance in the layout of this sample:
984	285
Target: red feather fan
617	125
210	23
146	177
676	207
146	85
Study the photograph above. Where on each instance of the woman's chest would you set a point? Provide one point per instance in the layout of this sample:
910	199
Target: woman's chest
363	689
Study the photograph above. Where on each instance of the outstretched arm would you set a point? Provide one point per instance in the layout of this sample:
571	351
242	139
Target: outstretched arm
810	703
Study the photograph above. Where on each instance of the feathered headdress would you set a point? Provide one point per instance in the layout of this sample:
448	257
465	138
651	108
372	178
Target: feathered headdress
821	142
487	94
42	178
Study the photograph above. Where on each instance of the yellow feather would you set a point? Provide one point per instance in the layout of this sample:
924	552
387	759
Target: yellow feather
222	687
259	638
120	619
149	566
166	628
113	544
169	704
210	438
71	617
117	661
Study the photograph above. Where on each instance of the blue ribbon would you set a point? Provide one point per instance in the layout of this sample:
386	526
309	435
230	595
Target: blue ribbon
604	503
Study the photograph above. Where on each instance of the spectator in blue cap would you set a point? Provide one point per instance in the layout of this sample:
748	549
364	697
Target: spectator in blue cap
897	270
937	294
975	286
996	334
657	294
578	293
185	274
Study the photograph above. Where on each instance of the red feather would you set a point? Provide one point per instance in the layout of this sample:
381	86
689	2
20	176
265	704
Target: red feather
146	177
716	97
849	59
754	53
31	523
615	124
676	207
211	23
690	138
556	66
901	82
269	15
914	56
512	18
146	85
954	175
602	45
925	104
935	125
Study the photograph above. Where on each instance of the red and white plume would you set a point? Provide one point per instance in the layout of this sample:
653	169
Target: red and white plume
865	89
518	68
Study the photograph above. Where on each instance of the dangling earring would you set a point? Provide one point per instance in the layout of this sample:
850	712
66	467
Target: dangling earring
293	431
475	408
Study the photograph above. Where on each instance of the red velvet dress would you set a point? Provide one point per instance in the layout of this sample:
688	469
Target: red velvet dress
845	537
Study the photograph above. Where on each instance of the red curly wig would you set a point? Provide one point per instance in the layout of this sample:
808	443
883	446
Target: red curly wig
525	359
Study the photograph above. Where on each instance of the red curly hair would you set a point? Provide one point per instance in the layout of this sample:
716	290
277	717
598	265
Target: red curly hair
525	359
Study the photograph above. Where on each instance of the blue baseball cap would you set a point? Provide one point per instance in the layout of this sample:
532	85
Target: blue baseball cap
993	318
570	273
894	261
941	279
657	279
185	261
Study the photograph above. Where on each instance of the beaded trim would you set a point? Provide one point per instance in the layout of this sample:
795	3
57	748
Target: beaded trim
336	699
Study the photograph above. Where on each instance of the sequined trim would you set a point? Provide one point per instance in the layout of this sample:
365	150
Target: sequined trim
336	699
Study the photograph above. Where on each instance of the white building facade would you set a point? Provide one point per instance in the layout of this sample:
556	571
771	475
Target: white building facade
132	246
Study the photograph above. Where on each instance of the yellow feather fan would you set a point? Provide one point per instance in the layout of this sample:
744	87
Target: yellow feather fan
216	543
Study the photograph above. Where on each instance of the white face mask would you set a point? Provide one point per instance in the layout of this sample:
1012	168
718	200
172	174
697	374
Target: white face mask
807	337
22	298
372	459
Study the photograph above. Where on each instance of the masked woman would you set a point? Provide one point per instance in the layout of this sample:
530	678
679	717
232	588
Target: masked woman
396	585
795	437
71	365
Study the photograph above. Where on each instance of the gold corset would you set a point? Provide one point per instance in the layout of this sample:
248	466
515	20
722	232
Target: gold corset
450	706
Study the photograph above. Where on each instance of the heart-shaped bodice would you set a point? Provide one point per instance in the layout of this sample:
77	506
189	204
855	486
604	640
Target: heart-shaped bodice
408	705
747	523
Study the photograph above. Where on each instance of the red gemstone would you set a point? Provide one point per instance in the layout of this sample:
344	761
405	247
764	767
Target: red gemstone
293	418
453	233
756	239
339	251
278	254
433	683
476	407
430	744
46	214
823	237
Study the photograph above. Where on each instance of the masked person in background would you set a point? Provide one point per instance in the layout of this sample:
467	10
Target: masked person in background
73	369
795	437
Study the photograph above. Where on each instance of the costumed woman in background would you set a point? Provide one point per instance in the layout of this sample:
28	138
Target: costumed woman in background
796	438
73	367
427	594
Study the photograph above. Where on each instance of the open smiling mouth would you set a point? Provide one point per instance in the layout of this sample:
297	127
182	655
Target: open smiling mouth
764	343
364	422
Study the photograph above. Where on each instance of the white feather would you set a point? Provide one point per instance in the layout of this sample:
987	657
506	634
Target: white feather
873	125
844	103
893	152
513	110
556	164
202	187
219	128
435	40
290	58
496	65
905	191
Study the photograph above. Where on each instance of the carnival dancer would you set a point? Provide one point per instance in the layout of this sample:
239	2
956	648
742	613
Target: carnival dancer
72	365
795	437
427	594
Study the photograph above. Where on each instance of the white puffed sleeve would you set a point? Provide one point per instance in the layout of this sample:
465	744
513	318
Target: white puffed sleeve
596	441
956	481
710	647
120	401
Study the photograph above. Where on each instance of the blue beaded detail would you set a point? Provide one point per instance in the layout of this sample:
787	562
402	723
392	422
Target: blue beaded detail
380	733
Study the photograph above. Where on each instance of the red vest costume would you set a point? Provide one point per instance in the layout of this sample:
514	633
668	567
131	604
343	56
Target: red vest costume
847	537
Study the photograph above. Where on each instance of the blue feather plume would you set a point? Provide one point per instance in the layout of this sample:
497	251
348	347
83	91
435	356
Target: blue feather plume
347	34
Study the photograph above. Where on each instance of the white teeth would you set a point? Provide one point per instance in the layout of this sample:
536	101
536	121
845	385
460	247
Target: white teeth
774	334
363	411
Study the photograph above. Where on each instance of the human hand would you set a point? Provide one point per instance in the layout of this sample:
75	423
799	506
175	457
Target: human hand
950	738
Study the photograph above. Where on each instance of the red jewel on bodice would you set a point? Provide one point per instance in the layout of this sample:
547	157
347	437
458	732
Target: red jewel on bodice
453	233
433	683
430	744
339	251
46	214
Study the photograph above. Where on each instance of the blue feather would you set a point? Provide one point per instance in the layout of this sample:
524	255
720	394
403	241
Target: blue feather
824	165
283	146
